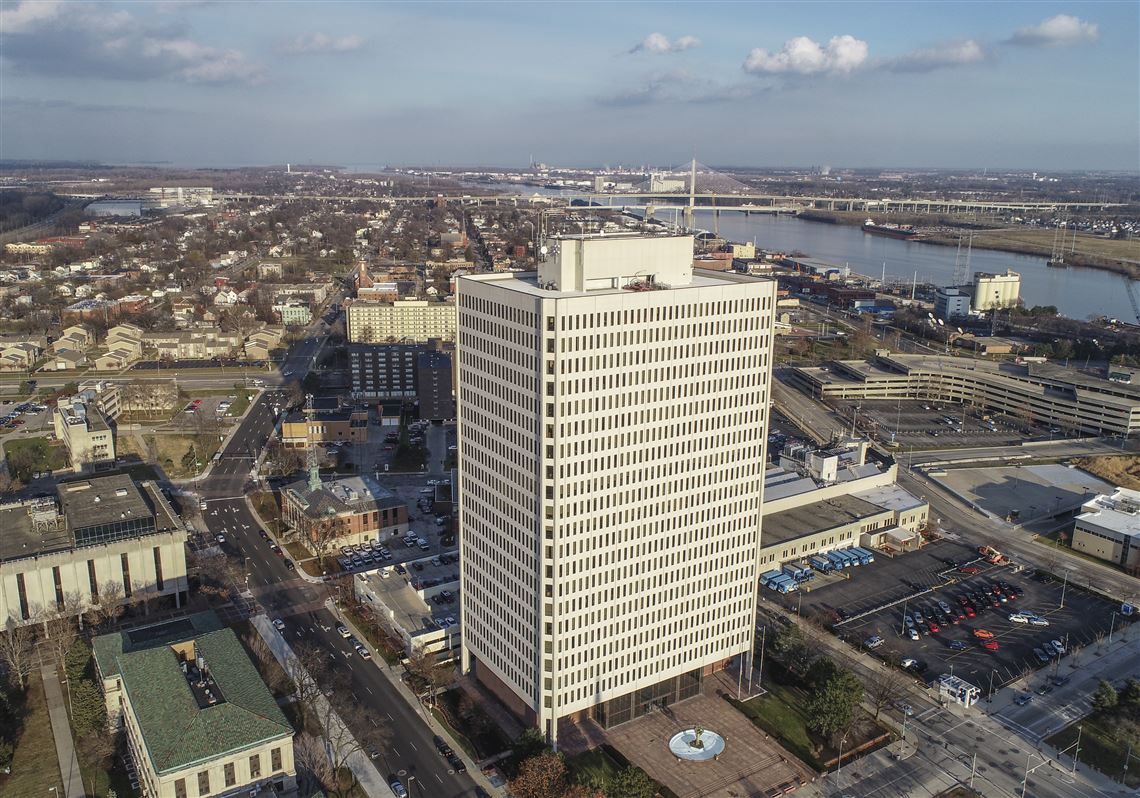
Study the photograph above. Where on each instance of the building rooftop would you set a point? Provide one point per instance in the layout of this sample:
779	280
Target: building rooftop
108	648
890	497
178	731
406	607
87	512
799	522
1119	512
346	495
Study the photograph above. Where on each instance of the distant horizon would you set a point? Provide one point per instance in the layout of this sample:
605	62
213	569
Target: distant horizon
995	170
1041	86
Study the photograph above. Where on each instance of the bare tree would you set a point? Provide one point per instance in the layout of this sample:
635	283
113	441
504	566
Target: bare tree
429	672
314	767
322	534
17	651
883	687
108	604
271	672
61	627
8	483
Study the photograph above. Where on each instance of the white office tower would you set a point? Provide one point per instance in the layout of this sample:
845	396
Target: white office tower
612	425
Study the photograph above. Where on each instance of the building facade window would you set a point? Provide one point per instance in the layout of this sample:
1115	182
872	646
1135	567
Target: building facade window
230	774
21	588
204	783
158	567
180	788
255	766
93	580
58	580
275	759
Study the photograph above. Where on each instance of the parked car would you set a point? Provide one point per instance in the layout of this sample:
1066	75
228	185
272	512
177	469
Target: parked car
983	634
990	645
279	624
957	645
873	642
1023	699
1042	657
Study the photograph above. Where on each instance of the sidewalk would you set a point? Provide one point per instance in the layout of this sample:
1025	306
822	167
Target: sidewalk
369	779
392	674
61	729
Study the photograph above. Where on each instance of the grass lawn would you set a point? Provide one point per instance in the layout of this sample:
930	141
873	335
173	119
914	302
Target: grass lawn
171	448
28	455
593	767
241	404
1099	747
780	714
35	767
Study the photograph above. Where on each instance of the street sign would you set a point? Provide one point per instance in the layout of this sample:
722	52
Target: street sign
1126	609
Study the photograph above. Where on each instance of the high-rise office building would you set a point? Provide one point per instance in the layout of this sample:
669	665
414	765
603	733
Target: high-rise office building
612	426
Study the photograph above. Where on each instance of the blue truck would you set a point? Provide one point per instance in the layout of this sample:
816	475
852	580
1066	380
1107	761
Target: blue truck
837	559
821	563
797	572
767	577
865	557
849	559
783	584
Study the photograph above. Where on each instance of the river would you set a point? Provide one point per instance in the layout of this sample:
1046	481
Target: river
1076	293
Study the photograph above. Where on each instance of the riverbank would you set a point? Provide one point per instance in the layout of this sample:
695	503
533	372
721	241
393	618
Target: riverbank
1087	251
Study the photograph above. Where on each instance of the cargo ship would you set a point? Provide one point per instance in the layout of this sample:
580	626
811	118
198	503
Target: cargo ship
889	230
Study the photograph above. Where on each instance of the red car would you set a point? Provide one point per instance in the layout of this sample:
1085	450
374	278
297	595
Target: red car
970	569
970	613
934	627
991	645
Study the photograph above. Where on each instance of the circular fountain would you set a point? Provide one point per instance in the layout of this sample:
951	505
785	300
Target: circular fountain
696	745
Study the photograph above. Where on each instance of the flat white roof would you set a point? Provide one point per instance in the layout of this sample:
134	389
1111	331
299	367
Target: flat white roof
1119	513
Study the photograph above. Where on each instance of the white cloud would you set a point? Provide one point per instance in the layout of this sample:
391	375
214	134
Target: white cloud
1060	30
951	54
323	43
659	44
803	56
89	41
27	15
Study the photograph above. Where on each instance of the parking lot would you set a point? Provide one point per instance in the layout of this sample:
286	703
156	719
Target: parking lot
931	425
876	597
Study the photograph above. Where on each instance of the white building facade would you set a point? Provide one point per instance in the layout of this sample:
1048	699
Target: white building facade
612	429
996	290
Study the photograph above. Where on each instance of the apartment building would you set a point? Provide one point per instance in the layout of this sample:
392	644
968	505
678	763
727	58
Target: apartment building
293	312
197	717
94	532
193	344
1042	393
359	507
401	320
325	421
399	371
85	431
612	423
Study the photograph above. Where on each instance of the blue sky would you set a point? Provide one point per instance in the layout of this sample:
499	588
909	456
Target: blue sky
1046	86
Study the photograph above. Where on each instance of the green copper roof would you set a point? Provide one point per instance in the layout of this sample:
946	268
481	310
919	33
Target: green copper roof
107	648
177	731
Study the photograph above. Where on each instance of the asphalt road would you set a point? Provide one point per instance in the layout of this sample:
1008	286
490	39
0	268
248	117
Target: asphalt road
403	736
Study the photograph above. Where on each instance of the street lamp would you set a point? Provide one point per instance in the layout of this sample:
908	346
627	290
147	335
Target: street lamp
839	765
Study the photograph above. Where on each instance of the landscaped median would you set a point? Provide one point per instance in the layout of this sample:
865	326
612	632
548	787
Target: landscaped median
1110	736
